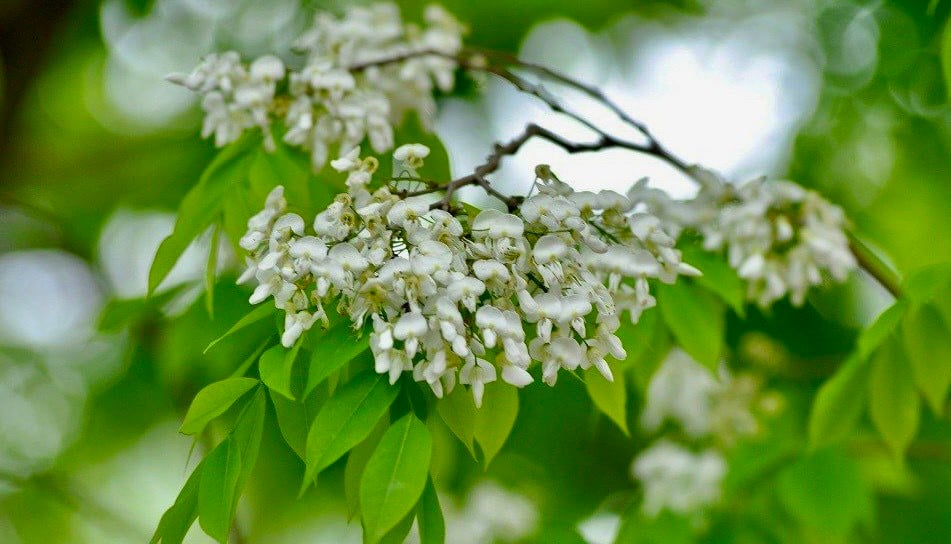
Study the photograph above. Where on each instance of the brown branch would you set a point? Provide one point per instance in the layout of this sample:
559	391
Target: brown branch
478	61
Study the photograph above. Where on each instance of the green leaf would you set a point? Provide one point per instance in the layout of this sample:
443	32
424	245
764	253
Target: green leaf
893	403
458	411
609	397
496	417
217	493
666	528
252	317
347	419
839	403
276	366
357	461
331	351
922	285
432	526
214	400
395	476
118	313
718	277
284	166
885	324
946	56
247	435
211	270
927	340
178	519
294	417
398	534
825	491
251	359
202	205
696	319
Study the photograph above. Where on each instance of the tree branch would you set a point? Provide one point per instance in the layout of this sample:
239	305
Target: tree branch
476	60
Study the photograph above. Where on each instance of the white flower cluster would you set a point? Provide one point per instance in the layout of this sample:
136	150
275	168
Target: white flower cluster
702	404
328	104
677	479
780	237
449	296
714	410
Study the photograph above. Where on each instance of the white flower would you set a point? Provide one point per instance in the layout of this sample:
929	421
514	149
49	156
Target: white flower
677	479
476	373
411	154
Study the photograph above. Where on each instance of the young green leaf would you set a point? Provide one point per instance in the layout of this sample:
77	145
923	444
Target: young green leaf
395	476
399	532
458	411
331	351
357	461
285	167
218	491
609	397
825	491
718	277
886	323
276	366
214	400
211	268
252	317
696	319
928	345
894	405
178	519
496	417
202	205
839	403
347	419
247	434
924	284
432	526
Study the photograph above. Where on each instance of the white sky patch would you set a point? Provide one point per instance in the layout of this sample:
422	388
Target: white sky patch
725	93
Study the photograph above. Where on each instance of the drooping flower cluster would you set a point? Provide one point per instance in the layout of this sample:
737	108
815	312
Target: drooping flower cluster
677	479
713	411
343	92
449	295
780	237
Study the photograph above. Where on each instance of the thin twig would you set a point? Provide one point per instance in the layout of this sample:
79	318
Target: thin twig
479	61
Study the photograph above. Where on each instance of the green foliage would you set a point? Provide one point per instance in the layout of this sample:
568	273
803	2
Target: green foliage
718	276
357	461
893	402
825	491
695	318
331	351
495	419
202	205
946	55
214	400
927	341
395	476
276	366
261	312
346	420
609	397
839	403
458	411
432	526
179	518
219	487
666	528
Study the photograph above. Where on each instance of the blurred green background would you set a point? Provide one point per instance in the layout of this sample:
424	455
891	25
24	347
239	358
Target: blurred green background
96	151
